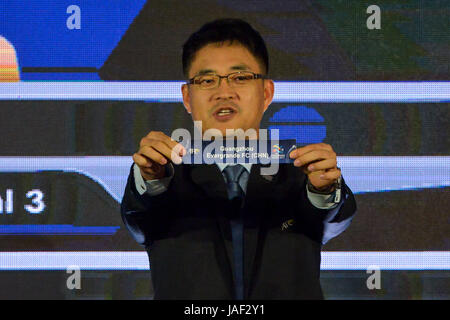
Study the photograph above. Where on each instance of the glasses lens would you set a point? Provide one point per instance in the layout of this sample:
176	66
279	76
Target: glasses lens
206	81
241	78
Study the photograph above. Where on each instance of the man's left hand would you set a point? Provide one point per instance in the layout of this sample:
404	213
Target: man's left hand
318	162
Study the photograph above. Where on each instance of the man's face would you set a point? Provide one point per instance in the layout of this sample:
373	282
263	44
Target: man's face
248	102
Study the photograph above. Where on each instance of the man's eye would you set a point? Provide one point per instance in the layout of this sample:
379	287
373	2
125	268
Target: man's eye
242	78
206	81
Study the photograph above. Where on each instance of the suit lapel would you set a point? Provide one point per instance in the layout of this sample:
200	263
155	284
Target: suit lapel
259	188
211	181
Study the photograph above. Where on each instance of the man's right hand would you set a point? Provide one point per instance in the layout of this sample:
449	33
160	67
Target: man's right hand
155	149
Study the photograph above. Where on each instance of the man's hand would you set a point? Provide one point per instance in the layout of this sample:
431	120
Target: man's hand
154	151
319	163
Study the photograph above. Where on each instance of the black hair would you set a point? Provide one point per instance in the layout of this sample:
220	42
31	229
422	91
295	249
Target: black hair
226	30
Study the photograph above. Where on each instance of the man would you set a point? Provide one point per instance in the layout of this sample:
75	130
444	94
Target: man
200	244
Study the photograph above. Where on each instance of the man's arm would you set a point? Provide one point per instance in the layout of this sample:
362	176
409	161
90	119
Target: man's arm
326	207
153	187
341	214
340	206
320	217
145	216
319	163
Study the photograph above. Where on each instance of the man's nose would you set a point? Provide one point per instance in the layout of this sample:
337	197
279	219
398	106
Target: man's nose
225	90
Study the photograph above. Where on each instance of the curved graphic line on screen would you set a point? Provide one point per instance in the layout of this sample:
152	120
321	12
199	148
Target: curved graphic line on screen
57	229
138	260
286	92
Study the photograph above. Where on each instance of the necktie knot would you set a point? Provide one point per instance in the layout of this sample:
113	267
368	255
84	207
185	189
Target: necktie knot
233	173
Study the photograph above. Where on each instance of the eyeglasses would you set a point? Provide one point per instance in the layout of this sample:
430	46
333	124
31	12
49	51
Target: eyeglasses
235	79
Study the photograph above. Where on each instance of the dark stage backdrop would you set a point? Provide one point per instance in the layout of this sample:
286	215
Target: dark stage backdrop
98	76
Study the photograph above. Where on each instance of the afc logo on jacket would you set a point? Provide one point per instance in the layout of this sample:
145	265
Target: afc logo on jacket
287	224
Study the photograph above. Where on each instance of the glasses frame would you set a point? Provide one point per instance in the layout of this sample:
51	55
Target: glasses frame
256	76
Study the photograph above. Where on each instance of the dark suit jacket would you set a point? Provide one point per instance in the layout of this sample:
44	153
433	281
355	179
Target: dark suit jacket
187	234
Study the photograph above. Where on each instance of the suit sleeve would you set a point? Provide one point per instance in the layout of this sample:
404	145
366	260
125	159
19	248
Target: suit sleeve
146	217
325	224
338	219
153	187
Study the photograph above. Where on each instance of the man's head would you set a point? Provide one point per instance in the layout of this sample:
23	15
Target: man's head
220	48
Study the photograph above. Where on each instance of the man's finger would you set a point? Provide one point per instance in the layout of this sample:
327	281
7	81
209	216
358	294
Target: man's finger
310	147
314	156
177	150
158	135
141	161
161	136
332	174
152	154
166	150
174	145
146	165
322	165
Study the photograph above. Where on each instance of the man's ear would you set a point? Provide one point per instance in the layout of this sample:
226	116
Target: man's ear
186	98
269	89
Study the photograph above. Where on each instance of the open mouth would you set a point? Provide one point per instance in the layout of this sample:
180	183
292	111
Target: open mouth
224	114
